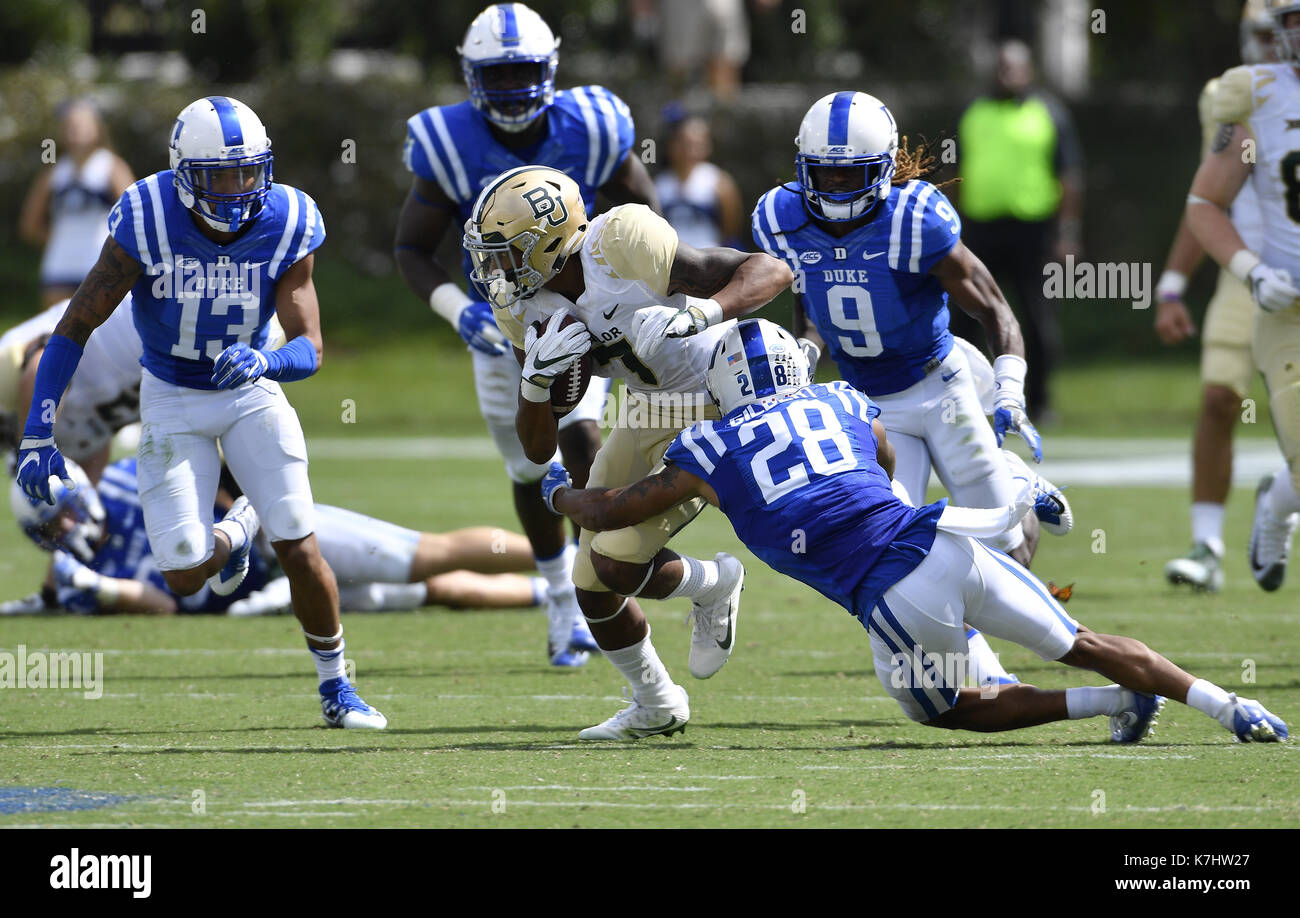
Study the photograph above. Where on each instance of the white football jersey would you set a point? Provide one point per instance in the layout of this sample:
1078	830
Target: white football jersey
626	254
1266	98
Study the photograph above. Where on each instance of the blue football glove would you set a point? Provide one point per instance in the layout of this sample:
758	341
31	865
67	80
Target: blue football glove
236	365
556	478
479	329
1011	417
38	459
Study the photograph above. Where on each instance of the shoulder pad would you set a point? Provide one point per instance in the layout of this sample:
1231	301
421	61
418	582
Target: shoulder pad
1234	97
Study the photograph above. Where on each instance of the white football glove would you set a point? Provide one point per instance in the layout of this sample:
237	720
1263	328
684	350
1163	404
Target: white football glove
1272	288
811	353
651	325
549	354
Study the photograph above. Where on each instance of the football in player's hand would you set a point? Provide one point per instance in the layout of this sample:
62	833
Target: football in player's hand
571	385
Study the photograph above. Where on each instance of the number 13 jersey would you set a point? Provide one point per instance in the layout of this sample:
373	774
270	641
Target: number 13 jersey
197	297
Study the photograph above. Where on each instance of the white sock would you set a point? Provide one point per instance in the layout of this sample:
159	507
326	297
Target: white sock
698	578
329	663
645	672
1207	525
982	663
1209	699
1090	701
539	589
235	532
558	569
1281	500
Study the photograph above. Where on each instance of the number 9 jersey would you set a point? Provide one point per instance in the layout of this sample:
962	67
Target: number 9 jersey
869	293
197	297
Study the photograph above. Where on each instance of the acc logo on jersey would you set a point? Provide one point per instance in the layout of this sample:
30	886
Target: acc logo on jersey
545	204
810	258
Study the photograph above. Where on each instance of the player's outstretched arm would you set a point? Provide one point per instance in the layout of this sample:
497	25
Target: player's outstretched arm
737	282
298	308
599	509
970	285
107	283
810	340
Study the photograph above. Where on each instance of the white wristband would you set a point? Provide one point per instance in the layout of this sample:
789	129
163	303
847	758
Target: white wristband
1009	373
1171	286
533	392
1242	264
709	308
448	300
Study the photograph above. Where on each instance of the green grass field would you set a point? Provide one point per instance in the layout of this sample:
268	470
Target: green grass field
795	731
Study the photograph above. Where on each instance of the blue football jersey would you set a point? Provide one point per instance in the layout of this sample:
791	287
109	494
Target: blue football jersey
802	488
197	297
870	295
126	554
589	132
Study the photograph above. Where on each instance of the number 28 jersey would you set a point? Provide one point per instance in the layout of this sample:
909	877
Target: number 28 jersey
197	297
803	490
869	293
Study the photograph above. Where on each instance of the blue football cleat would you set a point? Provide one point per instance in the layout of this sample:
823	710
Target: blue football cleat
582	638
1252	723
1138	719
341	706
567	658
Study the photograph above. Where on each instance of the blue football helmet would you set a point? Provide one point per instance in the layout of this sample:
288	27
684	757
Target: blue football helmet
75	523
221	158
845	130
756	362
509	58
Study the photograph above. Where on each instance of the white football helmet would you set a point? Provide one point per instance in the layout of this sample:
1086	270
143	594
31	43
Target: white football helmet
510	35
1287	40
75	523
845	129
757	361
221	158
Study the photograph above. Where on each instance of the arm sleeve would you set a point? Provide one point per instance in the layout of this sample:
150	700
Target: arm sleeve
638	244
308	232
697	450
132	228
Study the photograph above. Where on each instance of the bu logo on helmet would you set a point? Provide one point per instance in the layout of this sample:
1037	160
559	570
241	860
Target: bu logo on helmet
545	204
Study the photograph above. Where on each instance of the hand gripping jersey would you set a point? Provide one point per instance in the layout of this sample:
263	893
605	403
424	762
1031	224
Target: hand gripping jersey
589	132
197	297
802	488
627	256
126	554
870	295
1266	99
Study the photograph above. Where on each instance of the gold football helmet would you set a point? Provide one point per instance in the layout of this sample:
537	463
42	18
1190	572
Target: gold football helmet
523	227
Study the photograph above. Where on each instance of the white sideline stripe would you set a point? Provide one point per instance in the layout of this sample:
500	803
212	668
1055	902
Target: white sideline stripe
579	787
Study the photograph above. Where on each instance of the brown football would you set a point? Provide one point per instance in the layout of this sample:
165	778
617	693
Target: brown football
571	385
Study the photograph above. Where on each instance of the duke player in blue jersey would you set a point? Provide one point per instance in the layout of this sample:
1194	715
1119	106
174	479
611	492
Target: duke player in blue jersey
877	255
209	250
790	457
515	117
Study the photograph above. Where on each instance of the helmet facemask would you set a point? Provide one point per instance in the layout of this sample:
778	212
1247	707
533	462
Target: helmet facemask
227	193
833	206
495	91
497	259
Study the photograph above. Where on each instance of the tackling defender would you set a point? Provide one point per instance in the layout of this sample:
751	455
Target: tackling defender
650	309
1255	106
878	255
515	116
790	454
1226	365
209	249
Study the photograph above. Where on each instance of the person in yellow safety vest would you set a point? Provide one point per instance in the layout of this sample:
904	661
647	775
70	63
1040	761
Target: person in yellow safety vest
1021	202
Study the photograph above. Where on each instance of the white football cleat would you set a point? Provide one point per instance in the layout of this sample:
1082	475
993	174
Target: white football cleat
242	515
1270	539
637	720
714	633
1199	567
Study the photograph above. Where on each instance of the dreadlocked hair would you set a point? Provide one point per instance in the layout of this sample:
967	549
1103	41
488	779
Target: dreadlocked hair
915	162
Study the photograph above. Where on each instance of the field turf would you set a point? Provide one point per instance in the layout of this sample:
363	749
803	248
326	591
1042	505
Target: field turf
212	722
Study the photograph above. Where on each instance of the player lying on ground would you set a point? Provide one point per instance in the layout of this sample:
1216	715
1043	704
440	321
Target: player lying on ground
878	259
209	249
792	457
103	563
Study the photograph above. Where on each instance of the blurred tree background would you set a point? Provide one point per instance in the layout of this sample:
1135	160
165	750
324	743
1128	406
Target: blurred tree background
322	73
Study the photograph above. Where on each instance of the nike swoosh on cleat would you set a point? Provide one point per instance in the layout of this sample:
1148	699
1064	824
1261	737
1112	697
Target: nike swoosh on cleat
725	643
668	728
